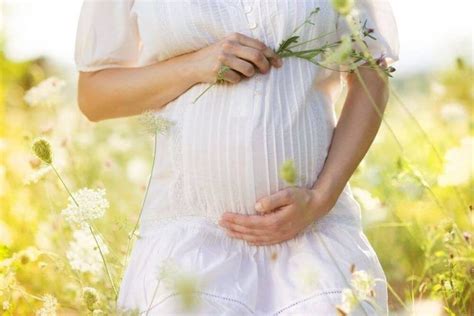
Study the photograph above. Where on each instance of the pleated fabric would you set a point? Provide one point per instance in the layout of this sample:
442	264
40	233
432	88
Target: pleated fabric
224	152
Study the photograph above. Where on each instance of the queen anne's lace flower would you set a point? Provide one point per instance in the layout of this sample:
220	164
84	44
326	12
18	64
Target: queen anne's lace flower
153	123
83	254
90	297
91	204
50	303
362	289
46	93
363	284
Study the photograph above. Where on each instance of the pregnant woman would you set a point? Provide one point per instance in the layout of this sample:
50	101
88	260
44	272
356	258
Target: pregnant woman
217	210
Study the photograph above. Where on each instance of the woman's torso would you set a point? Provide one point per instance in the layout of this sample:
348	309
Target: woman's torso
224	152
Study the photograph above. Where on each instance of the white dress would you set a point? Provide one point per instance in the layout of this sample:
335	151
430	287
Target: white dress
224	152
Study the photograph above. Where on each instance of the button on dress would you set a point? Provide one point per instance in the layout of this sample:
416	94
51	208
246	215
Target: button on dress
223	153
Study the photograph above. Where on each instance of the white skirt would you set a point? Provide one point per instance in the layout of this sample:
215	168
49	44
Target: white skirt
302	276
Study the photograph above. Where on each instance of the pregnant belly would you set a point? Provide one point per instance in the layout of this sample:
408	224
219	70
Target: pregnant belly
229	162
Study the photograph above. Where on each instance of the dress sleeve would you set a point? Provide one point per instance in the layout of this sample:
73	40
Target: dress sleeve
379	16
107	35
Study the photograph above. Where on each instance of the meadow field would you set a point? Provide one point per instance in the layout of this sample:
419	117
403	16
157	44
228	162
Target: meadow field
415	188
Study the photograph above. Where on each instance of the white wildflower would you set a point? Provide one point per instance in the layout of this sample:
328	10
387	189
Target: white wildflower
46	93
37	175
372	207
454	112
6	305
91	204
362	289
341	54
83	254
363	284
459	164
50	303
153	123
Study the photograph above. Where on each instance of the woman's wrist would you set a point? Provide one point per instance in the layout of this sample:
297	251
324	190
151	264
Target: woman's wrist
193	62
325	195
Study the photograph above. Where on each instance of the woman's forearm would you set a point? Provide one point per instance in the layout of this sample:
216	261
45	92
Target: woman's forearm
119	92
356	129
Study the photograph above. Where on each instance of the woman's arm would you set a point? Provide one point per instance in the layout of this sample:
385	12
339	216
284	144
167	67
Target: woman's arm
356	129
289	211
118	92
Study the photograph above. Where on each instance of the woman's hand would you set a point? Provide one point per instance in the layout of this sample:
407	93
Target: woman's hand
282	215
241	53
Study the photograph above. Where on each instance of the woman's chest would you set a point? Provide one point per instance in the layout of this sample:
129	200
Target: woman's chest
172	27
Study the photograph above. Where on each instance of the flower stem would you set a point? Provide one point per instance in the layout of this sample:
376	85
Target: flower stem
93	234
109	275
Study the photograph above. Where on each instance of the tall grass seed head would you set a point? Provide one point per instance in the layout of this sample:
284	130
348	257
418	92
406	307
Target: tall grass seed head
288	172
90	296
42	149
344	7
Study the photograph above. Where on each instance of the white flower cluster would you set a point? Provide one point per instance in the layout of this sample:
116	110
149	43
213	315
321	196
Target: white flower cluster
153	123
91	204
459	165
50	303
46	93
83	254
362	289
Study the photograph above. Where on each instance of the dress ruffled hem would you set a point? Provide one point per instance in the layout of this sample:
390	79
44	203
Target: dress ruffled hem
231	277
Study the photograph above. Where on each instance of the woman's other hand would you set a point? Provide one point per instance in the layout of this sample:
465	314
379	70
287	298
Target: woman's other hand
281	216
243	54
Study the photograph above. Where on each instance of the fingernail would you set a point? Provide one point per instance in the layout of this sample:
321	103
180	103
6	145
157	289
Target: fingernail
258	207
279	62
